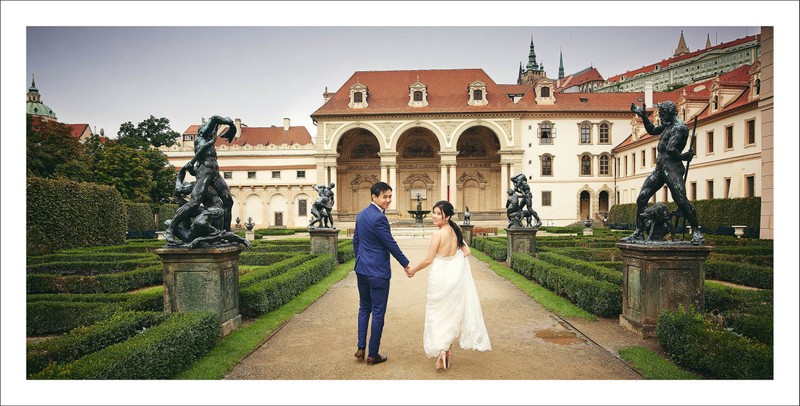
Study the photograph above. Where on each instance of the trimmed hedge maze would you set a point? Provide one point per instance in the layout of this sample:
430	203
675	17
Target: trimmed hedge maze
105	304
732	339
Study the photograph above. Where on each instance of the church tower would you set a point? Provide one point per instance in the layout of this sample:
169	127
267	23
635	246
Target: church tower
560	65
682	48
532	71
34	105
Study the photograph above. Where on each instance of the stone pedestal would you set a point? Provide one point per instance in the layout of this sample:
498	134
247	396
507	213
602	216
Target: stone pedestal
521	240
588	231
160	235
324	241
658	276
250	235
466	230
203	279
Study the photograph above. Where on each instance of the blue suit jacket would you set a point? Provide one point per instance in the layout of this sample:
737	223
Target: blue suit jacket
372	243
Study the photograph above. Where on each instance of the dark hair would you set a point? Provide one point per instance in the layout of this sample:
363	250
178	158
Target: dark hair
448	211
379	188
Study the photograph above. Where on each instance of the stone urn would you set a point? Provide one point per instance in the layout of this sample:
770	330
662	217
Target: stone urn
238	220
587	223
738	231
250	224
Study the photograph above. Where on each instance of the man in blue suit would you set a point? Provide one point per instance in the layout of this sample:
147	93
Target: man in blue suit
372	243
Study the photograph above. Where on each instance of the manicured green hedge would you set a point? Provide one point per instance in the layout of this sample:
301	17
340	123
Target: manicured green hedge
263	258
583	267
56	314
760	260
62	214
496	248
261	232
270	294
587	254
104	283
165	212
740	274
89	266
764	251
88	339
720	298
345	251
84	256
598	297
129	246
261	273
140	217
711	213
158	353
701	345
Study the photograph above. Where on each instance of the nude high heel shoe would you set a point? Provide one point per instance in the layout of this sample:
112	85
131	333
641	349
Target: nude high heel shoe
441	361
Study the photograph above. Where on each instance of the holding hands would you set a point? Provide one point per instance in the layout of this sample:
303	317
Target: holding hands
409	272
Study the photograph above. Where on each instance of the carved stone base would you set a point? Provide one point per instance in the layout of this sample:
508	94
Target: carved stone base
324	241
466	230
520	240
660	276
203	279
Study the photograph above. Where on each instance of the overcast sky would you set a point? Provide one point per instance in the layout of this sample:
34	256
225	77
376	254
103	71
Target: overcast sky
105	76
91	70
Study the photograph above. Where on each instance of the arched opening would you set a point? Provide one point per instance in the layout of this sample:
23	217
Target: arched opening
358	168
585	204
417	170
254	207
278	208
602	202
478	172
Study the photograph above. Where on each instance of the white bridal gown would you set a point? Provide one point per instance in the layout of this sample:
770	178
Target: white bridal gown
453	311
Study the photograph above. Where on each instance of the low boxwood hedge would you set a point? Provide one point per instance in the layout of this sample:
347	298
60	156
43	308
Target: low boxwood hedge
739	273
270	294
60	313
261	273
88	266
760	260
496	248
583	267
88	339
157	353
88	256
701	345
587	254
262	258
104	283
598	297
345	251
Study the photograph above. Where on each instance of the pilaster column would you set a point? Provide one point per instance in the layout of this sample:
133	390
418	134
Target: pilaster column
442	182
333	179
393	182
503	184
453	188
384	174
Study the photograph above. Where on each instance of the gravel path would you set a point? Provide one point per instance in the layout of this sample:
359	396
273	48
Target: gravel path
528	342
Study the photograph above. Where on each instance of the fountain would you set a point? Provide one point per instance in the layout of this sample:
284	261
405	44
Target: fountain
419	214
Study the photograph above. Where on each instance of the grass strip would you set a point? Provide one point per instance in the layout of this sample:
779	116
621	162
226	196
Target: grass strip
652	365
239	344
551	301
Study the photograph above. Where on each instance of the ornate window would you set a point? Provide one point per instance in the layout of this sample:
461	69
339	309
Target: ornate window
477	94
546	91
546	198
418	95
604	165
546	132
547	165
604	134
586	165
586	133
359	95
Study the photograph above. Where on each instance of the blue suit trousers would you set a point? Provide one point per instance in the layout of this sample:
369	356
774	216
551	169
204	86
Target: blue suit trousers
373	295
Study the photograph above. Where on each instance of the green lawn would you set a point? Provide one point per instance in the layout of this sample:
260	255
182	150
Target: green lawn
652	365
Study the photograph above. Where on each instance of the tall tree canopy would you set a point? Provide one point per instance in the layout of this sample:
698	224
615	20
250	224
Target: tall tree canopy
52	152
152	131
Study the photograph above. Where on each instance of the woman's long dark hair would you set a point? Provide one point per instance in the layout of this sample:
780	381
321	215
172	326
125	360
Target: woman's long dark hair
448	211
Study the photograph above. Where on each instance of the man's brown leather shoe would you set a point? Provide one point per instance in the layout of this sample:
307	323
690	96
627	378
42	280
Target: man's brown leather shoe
376	360
359	354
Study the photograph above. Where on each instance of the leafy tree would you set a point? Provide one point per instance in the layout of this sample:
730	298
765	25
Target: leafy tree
52	152
127	170
163	174
152	131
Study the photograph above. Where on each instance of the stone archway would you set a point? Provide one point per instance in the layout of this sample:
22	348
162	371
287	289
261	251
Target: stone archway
417	170
585	205
478	170
602	202
358	168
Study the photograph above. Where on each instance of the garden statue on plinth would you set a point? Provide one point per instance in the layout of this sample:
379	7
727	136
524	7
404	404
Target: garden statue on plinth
321	209
466	215
659	274
201	258
205	219
250	224
669	169
520	204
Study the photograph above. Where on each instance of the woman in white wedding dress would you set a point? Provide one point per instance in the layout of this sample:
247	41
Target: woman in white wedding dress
453	310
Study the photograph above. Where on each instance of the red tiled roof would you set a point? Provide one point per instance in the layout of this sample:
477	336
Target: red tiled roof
606	102
448	92
576	79
263	136
514	89
77	129
665	63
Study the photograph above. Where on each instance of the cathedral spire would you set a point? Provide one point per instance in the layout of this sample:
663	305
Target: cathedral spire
708	41
682	48
560	64
532	65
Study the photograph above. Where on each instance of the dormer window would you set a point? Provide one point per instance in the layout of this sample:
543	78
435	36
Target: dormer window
418	95
758	86
714	102
358	96
545	91
477	94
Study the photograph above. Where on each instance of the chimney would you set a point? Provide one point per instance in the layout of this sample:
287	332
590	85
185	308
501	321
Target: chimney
238	123
326	96
648	94
286	124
